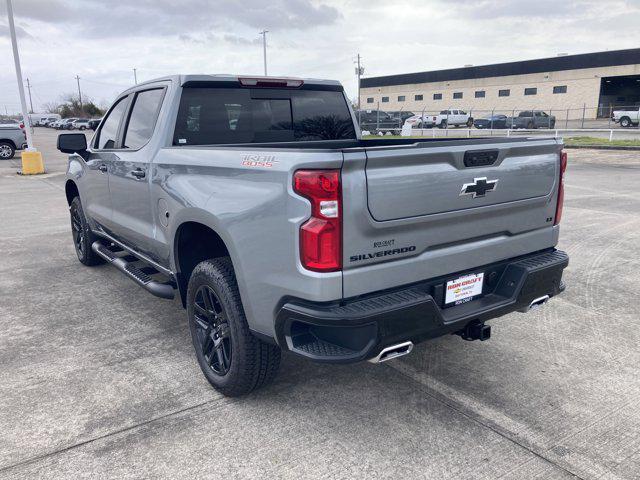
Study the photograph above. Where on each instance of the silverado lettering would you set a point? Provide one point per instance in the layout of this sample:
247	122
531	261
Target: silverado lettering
382	253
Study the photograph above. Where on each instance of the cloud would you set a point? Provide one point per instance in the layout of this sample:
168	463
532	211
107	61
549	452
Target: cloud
100	19
103	40
20	32
213	39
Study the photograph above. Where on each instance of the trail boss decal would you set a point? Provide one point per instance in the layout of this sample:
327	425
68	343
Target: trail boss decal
257	160
381	253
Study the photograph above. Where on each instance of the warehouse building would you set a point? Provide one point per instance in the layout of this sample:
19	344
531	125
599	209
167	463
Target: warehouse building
594	83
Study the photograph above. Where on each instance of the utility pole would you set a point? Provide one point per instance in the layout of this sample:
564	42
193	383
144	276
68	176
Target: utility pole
264	49
359	72
30	102
135	76
79	92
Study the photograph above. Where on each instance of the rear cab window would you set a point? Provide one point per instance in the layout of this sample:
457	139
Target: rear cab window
142	120
106	136
229	115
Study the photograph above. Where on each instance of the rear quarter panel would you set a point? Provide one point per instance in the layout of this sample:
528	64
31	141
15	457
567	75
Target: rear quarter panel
254	210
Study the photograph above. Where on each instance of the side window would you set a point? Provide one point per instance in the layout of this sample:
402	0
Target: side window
106	137
143	118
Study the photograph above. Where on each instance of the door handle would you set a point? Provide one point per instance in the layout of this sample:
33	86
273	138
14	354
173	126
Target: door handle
138	173
103	168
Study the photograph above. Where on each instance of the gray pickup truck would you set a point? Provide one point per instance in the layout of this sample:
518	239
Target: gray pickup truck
12	138
531	119
256	200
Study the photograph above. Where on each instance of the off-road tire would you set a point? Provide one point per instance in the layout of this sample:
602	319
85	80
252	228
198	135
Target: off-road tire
82	235
253	363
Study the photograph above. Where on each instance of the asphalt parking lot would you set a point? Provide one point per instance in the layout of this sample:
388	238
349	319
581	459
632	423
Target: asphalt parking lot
99	380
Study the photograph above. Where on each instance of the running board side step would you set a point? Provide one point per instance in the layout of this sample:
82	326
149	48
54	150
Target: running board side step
162	290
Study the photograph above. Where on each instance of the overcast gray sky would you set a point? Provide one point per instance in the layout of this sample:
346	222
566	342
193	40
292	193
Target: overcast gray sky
103	40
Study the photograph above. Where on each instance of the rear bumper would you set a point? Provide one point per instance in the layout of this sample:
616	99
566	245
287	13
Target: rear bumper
358	329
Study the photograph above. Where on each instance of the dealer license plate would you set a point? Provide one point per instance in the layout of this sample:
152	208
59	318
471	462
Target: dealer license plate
463	289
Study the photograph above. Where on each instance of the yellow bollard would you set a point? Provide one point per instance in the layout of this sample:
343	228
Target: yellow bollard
32	163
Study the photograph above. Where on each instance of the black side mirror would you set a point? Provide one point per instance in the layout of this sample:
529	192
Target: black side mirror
73	143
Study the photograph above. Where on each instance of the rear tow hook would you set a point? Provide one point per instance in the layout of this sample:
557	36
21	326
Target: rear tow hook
475	330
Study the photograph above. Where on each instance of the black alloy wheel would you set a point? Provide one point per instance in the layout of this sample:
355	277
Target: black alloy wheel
77	230
82	235
213	331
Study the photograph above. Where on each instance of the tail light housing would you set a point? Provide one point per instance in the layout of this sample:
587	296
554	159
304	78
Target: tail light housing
321	235
563	169
265	82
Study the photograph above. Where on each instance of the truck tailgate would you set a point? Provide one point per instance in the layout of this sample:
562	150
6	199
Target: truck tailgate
414	183
442	207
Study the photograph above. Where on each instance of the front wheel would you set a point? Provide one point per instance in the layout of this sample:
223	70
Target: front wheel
7	151
83	237
231	358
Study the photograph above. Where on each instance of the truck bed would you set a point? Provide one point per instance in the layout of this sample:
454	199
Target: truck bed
334	145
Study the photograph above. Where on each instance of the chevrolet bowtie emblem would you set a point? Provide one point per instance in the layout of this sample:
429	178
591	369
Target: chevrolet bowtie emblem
479	187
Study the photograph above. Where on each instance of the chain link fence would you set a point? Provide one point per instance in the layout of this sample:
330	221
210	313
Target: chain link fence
379	120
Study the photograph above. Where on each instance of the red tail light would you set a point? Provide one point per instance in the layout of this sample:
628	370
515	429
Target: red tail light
321	235
22	126
563	169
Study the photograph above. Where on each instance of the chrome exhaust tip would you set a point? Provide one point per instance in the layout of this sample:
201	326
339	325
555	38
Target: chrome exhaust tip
536	303
394	351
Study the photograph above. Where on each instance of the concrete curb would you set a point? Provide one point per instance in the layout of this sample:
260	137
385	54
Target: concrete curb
603	147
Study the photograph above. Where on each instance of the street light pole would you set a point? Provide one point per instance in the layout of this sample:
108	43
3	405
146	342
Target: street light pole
79	92
359	72
31	159
264	49
135	76
16	60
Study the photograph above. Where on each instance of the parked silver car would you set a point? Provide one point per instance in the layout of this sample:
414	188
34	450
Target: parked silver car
12	138
79	124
